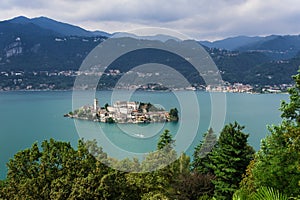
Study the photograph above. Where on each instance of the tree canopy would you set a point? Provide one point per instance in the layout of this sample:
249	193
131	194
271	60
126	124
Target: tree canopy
229	160
202	151
276	164
55	170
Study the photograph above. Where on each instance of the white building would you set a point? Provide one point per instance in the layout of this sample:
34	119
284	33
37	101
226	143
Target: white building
125	107
96	104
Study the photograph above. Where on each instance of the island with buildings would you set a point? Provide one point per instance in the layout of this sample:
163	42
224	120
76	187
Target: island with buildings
124	112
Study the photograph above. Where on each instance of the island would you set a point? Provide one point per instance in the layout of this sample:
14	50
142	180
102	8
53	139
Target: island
124	112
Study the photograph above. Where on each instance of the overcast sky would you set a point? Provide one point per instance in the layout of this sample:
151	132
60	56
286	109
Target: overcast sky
199	19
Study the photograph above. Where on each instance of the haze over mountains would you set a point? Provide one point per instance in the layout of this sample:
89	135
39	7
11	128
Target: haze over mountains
44	44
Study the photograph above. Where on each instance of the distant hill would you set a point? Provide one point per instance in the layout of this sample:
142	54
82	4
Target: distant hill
59	27
232	43
44	44
254	68
273	72
27	46
274	46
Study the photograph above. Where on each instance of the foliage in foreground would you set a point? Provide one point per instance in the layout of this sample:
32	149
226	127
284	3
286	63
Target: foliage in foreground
226	159
229	160
276	164
263	193
57	171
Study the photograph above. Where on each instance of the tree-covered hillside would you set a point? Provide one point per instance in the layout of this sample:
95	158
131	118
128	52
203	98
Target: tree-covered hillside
27	47
42	44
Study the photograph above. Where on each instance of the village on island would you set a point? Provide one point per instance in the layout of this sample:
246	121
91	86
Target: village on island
124	112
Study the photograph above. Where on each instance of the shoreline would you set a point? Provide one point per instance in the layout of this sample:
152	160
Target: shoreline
158	91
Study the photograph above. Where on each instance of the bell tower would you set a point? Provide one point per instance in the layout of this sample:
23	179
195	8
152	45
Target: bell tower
96	104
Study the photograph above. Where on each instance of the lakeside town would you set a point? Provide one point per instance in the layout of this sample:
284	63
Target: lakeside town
124	112
64	80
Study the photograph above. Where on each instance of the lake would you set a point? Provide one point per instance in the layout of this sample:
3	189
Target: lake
28	117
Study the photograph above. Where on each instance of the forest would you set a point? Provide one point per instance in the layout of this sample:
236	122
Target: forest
222	168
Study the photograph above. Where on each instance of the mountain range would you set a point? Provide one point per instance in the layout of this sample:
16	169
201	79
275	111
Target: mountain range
275	46
41	43
58	27
44	44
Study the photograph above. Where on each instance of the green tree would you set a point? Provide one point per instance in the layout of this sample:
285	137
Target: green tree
173	114
202	151
87	186
165	140
229	160
192	186
2	186
114	185
156	171
163	172
127	165
51	172
277	162
105	107
291	110
154	196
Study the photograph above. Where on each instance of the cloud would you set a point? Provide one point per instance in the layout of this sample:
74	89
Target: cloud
203	19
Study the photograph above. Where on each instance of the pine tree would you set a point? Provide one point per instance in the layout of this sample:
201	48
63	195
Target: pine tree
202	151
165	140
229	160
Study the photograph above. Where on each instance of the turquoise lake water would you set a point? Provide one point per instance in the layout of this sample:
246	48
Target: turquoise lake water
28	117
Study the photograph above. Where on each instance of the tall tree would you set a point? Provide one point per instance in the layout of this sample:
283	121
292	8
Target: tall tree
165	140
229	160
291	110
277	163
202	151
